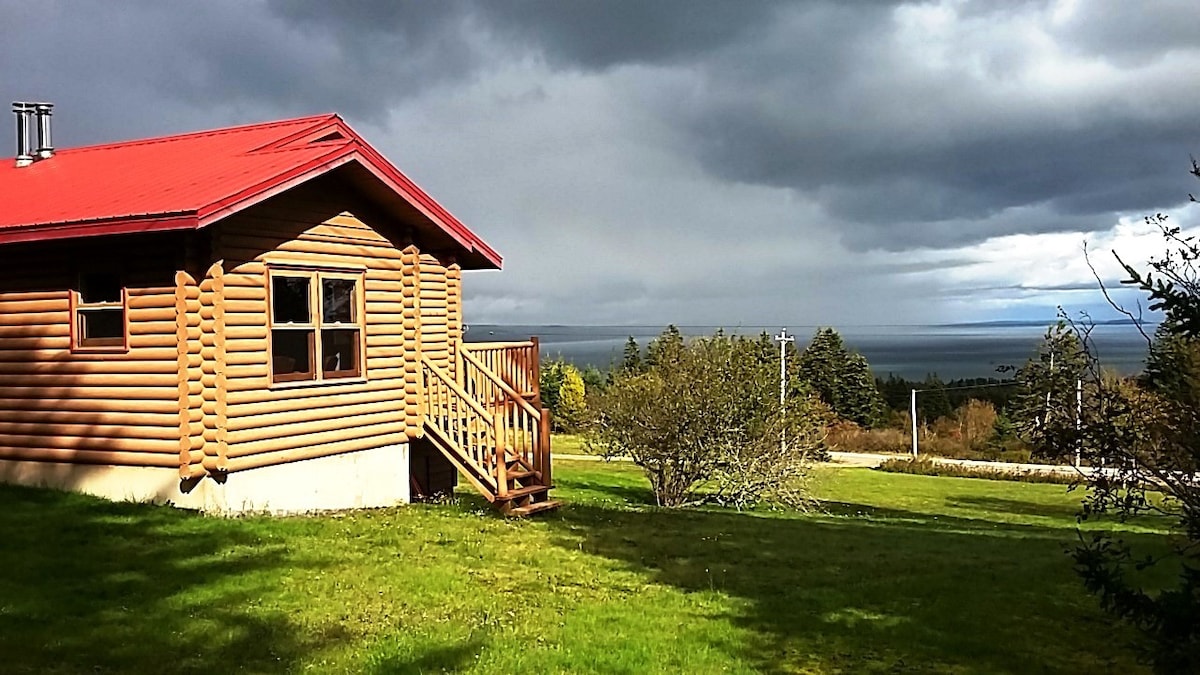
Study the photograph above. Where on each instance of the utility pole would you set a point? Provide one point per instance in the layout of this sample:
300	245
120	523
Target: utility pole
913	412
783	338
1078	421
1046	414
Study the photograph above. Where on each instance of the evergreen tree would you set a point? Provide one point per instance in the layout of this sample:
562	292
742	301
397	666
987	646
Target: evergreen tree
1173	365
593	378
631	358
896	391
932	402
550	381
841	378
1173	373
665	348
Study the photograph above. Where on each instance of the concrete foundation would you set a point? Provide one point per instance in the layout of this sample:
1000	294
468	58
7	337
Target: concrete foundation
363	479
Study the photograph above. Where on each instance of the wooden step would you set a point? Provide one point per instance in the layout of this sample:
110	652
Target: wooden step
521	493
536	507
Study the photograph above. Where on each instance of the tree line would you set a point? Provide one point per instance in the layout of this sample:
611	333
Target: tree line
961	418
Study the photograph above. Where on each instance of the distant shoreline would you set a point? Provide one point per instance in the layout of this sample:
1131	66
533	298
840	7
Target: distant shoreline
951	351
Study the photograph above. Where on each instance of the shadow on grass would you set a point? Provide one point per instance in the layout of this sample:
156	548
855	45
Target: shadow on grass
860	594
93	586
604	488
1015	506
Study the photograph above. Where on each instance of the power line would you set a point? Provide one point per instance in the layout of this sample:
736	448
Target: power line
1012	383
913	404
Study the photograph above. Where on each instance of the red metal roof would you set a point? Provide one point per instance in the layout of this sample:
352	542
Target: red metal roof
192	180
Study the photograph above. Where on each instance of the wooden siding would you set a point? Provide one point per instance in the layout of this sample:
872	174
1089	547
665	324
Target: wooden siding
90	408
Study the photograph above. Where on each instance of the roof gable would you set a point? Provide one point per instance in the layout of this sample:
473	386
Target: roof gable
191	180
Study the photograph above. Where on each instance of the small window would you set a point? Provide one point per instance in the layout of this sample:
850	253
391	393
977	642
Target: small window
316	327
99	313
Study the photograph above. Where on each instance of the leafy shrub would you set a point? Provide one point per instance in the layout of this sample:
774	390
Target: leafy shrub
704	421
983	446
849	437
572	401
565	395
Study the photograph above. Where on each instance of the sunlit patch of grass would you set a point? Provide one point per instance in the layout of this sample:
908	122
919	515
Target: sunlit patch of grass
568	444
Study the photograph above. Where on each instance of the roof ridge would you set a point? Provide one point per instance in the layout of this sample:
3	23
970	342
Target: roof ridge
324	117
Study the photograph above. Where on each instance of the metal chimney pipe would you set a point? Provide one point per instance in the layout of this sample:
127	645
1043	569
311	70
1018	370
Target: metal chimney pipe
45	148
23	111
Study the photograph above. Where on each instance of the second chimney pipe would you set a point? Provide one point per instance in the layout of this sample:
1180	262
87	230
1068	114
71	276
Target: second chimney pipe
45	148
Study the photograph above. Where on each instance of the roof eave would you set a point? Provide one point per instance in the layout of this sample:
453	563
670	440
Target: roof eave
434	212
158	222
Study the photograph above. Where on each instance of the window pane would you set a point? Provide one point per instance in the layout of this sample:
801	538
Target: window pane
98	324
100	287
339	352
337	300
289	299
291	354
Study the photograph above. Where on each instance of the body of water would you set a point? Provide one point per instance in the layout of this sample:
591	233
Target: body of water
912	352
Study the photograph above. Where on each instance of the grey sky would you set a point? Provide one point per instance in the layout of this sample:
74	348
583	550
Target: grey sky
695	162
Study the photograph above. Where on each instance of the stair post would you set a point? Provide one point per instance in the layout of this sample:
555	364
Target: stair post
543	455
501	465
533	369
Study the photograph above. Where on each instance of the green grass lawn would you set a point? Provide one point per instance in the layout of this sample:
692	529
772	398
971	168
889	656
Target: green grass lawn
897	574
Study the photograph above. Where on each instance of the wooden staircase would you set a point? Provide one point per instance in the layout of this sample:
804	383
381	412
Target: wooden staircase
486	419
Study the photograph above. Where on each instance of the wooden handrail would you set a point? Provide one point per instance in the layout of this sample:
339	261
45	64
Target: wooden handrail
480	346
516	363
454	387
501	384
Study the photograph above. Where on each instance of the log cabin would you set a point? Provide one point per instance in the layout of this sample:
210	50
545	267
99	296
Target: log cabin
261	318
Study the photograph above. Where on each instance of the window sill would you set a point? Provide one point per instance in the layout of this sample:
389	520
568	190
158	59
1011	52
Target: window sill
302	384
117	349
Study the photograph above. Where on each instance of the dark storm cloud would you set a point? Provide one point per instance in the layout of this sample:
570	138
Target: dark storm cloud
144	67
597	35
809	96
807	108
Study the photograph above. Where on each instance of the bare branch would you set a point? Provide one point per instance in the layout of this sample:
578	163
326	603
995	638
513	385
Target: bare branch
1135	319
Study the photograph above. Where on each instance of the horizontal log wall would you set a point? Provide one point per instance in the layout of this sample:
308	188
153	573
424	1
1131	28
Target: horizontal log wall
272	423
91	408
